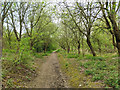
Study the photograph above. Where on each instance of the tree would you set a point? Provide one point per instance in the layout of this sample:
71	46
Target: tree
109	10
4	12
33	19
85	15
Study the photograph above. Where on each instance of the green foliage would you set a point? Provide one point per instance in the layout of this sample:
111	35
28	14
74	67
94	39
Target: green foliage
42	36
105	69
88	72
94	57
89	63
112	81
80	58
58	50
10	82
71	55
97	77
66	64
37	55
28	78
45	54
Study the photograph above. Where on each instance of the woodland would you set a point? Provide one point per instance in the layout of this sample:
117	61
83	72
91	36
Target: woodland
84	36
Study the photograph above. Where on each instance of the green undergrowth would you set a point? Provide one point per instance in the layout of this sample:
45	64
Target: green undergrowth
72	71
101	68
40	55
16	66
19	67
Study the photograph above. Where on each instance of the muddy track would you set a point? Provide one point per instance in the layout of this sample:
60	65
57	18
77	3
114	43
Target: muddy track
49	75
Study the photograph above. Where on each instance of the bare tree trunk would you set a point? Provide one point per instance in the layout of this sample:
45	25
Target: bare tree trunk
68	50
1	35
116	32
18	47
113	40
78	47
31	44
82	47
99	46
9	43
118	41
90	46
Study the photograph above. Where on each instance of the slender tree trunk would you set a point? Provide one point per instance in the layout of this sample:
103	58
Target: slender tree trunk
78	47
72	47
9	44
90	46
82	47
118	41
45	49
68	50
1	36
31	44
116	32
18	47
113	40
99	46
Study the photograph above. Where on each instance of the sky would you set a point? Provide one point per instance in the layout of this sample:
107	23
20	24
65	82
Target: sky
83	1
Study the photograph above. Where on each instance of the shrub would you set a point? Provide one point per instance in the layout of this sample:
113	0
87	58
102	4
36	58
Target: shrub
37	55
45	54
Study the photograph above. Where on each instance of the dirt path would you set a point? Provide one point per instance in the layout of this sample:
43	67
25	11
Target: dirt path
49	75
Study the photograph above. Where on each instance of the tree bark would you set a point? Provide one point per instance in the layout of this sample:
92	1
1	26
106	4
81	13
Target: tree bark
90	46
1	39
99	46
68	50
116	32
31	44
78	47
113	40
82	47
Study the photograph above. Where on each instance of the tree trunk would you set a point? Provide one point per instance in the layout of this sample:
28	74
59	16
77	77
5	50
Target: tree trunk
82	47
1	41
90	46
116	32
68	50
118	41
78	47
99	46
31	44
113	40
18	47
45	49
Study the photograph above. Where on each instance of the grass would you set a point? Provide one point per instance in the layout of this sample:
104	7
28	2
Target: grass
72	55
101	68
73	71
94	58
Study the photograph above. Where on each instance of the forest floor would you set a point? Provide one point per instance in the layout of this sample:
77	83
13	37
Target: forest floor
61	70
49	74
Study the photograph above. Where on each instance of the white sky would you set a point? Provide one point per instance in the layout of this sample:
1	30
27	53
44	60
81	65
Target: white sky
83	1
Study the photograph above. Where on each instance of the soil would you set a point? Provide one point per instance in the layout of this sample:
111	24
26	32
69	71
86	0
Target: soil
49	74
